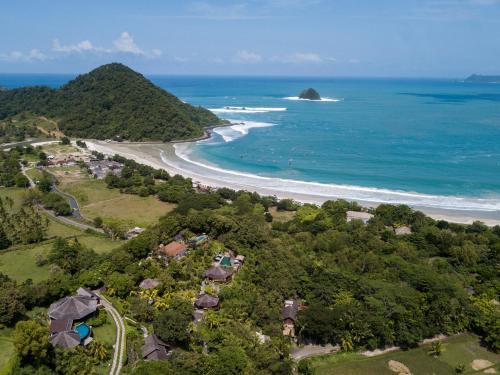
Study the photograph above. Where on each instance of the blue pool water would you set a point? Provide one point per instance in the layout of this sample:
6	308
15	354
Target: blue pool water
439	137
83	330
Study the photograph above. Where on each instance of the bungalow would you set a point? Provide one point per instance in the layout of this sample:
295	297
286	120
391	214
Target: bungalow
87	293
73	307
289	316
174	249
66	339
358	215
220	274
60	325
206	301
154	349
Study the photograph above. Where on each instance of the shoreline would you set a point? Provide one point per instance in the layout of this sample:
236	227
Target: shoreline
166	156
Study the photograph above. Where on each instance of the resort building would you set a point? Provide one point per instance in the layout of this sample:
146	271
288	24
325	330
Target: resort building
154	349
219	274
289	316
66	339
64	312
174	249
206	301
72	308
358	215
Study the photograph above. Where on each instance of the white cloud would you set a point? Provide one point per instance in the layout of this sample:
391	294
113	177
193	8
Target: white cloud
303	58
248	56
125	43
83	46
16	56
353	61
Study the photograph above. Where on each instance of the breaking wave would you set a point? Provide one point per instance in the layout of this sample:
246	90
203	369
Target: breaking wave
309	100
247	109
239	129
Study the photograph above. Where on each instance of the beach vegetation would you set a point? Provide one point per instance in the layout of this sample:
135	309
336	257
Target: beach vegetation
110	102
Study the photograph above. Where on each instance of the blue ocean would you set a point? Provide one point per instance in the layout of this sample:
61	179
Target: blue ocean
438	137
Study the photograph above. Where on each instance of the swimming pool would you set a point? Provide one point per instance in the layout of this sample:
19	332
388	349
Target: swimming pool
83	330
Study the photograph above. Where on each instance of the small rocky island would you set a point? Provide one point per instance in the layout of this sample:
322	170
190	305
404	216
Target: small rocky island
478	78
310	94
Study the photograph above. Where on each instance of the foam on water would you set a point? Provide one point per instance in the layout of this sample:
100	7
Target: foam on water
309	100
200	168
239	129
247	109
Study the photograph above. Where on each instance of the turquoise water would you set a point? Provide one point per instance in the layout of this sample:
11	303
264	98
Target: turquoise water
83	330
438	137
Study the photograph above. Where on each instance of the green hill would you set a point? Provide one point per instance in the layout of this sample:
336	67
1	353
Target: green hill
111	101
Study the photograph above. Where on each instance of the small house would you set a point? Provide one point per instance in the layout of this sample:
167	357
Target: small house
206	301
358	215
174	249
219	274
154	349
87	293
60	325
289	316
73	307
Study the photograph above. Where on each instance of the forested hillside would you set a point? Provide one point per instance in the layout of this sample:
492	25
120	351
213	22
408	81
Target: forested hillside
111	101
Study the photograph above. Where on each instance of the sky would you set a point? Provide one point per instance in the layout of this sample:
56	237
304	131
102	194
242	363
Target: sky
366	38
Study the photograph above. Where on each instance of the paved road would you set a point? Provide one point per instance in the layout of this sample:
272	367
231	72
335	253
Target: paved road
307	351
120	343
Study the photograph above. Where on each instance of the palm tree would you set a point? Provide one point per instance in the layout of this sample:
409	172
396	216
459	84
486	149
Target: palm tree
98	350
436	349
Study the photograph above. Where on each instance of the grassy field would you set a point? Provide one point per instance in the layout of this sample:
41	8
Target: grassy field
95	199
458	350
6	347
281	216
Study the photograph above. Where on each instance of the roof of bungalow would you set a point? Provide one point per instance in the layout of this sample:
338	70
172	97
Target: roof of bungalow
87	293
401	231
74	307
358	215
154	349
173	248
218	273
206	301
66	340
60	325
290	310
149	284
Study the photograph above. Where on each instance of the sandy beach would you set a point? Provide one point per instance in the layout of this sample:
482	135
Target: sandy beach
174	158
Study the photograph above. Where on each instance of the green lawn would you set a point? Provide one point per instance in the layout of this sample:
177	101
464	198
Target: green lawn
95	199
20	264
458	350
6	347
107	332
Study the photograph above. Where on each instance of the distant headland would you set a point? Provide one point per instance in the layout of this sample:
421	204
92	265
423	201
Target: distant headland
478	78
310	94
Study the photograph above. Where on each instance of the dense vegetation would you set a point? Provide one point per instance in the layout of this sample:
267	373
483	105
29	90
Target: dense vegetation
362	286
111	101
310	94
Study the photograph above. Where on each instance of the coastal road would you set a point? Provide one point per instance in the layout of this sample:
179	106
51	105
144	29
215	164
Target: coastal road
120	343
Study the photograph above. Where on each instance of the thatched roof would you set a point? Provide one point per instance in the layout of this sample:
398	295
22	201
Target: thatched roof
154	349
206	301
290	310
60	325
74	307
66	340
84	292
218	273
